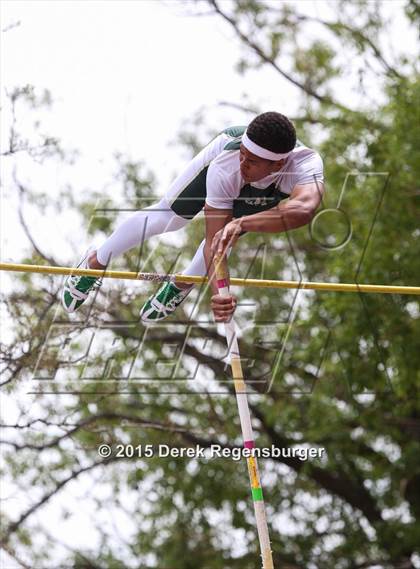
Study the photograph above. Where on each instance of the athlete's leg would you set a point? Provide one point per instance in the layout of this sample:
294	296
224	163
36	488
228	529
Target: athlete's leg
184	199
170	295
154	220
198	263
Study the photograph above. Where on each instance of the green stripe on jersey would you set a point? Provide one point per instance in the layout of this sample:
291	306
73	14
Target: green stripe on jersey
234	145
236	133
192	198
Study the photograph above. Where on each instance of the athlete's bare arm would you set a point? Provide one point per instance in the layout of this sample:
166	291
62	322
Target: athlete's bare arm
216	220
294	212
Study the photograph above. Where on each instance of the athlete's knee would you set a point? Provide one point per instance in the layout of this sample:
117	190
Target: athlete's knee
93	261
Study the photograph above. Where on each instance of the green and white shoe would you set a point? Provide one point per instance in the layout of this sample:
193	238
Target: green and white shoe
77	288
163	302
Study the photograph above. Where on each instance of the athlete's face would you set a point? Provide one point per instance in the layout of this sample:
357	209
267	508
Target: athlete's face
254	168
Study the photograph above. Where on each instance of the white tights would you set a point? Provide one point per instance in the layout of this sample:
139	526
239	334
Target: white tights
154	220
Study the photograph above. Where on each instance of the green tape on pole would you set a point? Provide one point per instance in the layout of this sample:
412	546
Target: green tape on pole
257	494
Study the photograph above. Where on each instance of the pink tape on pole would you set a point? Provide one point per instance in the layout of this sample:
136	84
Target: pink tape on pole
222	283
249	444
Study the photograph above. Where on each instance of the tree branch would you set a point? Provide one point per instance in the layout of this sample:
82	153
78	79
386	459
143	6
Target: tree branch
8	549
14	526
267	59
22	191
333	26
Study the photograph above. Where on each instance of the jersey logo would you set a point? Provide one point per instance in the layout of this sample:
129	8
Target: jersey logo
258	201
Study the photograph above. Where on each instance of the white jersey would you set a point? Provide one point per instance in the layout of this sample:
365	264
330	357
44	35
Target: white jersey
214	177
225	182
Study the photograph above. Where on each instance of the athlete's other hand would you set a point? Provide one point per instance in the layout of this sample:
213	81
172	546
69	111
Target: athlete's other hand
226	237
223	307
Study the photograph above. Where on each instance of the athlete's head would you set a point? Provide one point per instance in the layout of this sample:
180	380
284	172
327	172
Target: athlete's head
267	142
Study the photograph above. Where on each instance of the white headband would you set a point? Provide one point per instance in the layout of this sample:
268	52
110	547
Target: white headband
260	151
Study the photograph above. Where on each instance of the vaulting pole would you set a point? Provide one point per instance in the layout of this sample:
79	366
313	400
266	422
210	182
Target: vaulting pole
222	279
260	283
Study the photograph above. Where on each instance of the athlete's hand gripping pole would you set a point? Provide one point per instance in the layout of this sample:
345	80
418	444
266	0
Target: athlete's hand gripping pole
222	279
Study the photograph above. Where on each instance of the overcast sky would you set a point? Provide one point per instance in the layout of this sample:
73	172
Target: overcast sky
125	75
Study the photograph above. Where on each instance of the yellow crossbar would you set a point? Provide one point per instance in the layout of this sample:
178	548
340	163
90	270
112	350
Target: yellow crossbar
156	277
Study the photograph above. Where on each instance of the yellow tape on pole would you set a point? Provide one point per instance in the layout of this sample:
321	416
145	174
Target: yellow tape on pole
259	283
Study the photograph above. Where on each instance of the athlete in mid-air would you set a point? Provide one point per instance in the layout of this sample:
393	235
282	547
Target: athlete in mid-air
257	178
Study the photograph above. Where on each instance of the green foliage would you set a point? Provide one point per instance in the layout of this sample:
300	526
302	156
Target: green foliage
315	64
343	368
